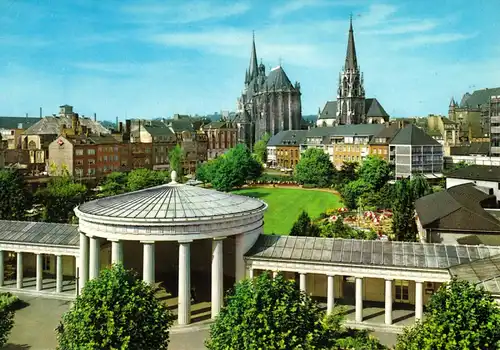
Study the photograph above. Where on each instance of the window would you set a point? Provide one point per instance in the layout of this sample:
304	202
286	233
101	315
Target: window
105	158
91	171
79	152
116	158
91	151
91	161
401	289
116	148
79	162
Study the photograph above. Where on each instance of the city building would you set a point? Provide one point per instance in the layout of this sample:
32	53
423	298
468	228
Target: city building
473	115
319	138
379	144
481	175
494	116
351	106
221	136
269	103
12	128
283	149
412	152
461	214
446	129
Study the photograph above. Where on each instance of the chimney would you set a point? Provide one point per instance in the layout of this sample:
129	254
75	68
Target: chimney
116	125
26	115
41	113
127	126
74	122
120	127
95	117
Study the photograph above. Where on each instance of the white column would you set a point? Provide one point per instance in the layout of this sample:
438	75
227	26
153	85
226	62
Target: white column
83	269
217	276
359	299
184	298
419	300
240	261
388	302
117	252
275	273
330	294
2	273
148	262
39	272
59	274
20	275
94	260
250	273
302	282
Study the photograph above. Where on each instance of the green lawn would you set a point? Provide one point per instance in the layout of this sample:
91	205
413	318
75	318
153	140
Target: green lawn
285	205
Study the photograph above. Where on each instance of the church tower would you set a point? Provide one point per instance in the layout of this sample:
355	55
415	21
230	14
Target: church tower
351	93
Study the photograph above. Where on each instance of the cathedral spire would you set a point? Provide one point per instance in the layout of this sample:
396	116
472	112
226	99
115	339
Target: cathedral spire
253	68
351	61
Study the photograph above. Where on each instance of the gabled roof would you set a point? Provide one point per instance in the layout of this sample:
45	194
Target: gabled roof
52	125
414	136
458	208
321	132
17	122
158	129
278	80
358	129
478	97
288	138
179	125
373	108
482	148
386	133
43	233
478	173
329	110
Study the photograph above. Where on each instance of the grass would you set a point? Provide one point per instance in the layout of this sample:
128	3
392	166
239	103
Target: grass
285	205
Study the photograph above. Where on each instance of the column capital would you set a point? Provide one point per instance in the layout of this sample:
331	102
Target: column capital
219	238
115	240
148	242
419	281
186	241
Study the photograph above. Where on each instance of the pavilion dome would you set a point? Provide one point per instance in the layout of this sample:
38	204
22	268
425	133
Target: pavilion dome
172	202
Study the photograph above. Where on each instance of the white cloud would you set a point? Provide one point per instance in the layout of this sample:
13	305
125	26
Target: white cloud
186	12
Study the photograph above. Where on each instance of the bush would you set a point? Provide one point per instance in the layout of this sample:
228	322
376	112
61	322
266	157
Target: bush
7	302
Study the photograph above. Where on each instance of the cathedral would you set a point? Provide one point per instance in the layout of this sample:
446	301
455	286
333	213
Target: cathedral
268	104
351	106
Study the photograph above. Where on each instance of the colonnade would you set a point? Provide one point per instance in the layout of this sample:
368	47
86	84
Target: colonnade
358	305
90	262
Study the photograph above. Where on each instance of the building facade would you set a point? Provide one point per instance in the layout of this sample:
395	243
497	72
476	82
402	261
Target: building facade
221	136
270	103
494	115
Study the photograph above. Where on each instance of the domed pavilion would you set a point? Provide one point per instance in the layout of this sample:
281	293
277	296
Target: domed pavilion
174	227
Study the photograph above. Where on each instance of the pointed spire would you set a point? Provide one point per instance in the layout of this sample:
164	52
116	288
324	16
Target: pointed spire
351	61
252	70
452	102
246	77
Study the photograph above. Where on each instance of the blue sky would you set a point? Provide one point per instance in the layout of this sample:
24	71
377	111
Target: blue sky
156	58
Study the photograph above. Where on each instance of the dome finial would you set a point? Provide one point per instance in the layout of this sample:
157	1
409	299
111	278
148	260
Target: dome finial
173	176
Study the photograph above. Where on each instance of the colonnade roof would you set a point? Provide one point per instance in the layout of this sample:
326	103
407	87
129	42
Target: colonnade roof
484	272
172	202
45	233
368	252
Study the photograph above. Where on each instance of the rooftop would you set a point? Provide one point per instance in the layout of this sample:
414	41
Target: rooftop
17	122
366	252
414	136
482	148
477	172
288	138
172	202
42	233
52	126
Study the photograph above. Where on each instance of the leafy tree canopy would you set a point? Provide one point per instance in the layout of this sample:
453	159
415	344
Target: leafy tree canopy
59	199
15	198
260	148
352	191
116	311
403	220
459	316
314	168
375	172
114	183
347	173
175	159
304	226
420	187
139	179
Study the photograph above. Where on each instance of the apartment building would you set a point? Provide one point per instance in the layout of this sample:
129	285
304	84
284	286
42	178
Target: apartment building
415	152
221	136
494	116
284	148
379	144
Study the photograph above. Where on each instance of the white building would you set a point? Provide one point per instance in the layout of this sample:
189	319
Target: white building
480	175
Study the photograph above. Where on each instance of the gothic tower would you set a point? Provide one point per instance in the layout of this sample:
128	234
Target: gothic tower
351	93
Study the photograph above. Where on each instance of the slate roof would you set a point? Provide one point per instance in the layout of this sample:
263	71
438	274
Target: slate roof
351	61
482	148
477	172
321	132
52	126
278	80
458	208
358	129
329	110
179	125
366	252
373	108
414	136
172	202
15	122
386	133
483	272
39	233
288	137
478	97
158	128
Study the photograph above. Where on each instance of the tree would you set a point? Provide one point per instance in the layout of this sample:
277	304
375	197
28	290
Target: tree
346	174
175	159
314	168
403	220
352	191
139	179
260	148
114	183
304	226
59	199
15	198
375	171
6	316
205	171
116	311
460	315
266	313
233	169
420	187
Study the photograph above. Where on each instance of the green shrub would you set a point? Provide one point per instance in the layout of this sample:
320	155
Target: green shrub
7	302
